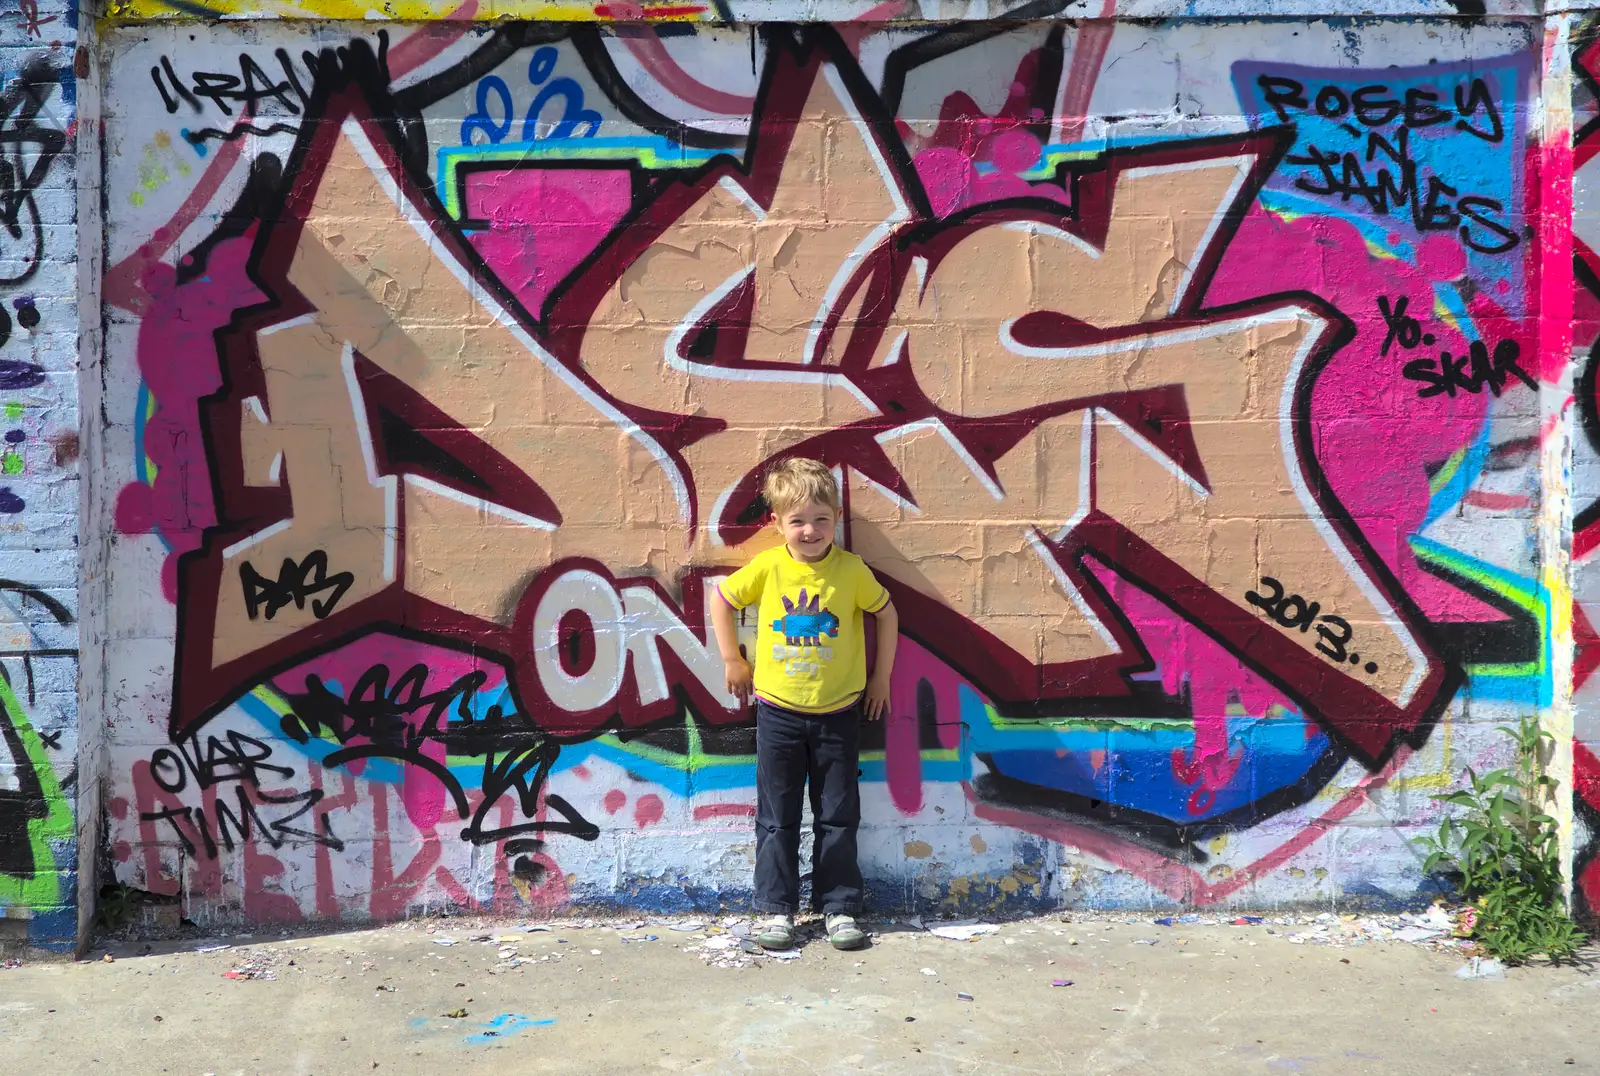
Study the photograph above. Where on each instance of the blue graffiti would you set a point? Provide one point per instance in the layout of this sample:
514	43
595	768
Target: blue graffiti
573	115
542	64
1412	150
481	120
1128	769
493	1030
507	1023
495	123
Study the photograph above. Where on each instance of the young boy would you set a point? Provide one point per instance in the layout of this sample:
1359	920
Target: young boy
811	688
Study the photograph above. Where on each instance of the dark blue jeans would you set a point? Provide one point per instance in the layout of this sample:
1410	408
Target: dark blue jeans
792	748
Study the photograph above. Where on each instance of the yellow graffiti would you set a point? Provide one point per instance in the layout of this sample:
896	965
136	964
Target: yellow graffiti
153	173
410	10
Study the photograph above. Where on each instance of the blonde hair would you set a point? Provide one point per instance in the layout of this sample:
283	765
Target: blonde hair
794	481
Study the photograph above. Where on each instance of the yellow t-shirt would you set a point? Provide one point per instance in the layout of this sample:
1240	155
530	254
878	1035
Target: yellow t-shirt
811	653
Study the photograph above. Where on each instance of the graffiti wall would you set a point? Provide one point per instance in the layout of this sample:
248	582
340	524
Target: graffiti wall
38	475
1586	466
1184	381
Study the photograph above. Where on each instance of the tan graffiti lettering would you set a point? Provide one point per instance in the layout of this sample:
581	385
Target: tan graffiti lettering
970	540
384	289
981	539
342	506
979	545
833	203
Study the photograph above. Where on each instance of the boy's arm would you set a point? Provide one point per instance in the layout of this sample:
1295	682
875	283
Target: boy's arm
735	668
888	637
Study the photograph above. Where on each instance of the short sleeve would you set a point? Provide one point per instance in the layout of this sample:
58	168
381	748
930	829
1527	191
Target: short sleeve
744	586
871	595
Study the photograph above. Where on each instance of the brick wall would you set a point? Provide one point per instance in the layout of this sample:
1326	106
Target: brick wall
39	487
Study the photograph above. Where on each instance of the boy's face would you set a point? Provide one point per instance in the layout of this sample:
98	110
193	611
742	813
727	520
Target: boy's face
807	529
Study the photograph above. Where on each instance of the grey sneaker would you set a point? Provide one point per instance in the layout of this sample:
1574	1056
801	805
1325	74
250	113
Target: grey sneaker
776	932
843	932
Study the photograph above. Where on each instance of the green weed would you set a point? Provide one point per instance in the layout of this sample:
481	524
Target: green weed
118	904
1505	854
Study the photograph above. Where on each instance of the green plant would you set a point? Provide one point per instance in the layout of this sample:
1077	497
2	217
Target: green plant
1505	852
116	906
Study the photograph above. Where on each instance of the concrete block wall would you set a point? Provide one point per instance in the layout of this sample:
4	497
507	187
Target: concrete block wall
1201	388
39	477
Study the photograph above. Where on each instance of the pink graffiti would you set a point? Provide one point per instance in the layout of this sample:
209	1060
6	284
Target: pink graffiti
1088	56
345	665
973	157
327	903
543	222
262	898
177	357
902	757
724	810
428	41
178	361
648	810
393	893
1360	399
1550	166
260	890
1191	663
126	284
421	792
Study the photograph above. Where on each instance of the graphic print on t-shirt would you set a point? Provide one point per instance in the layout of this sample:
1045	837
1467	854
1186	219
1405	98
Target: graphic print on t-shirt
810	651
803	626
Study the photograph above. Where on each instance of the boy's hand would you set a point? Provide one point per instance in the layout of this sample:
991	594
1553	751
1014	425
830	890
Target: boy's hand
739	678
877	696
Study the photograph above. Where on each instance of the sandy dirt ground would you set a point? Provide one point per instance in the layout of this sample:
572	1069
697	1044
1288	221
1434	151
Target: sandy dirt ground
1046	995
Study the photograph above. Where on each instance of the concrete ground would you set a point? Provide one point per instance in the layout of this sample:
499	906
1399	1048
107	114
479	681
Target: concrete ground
577	1000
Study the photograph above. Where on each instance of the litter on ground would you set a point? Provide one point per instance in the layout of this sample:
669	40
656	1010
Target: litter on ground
1483	968
963	931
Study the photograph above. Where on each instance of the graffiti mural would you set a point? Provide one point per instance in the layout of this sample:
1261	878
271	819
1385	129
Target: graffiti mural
1201	457
1586	471
38	477
754	11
